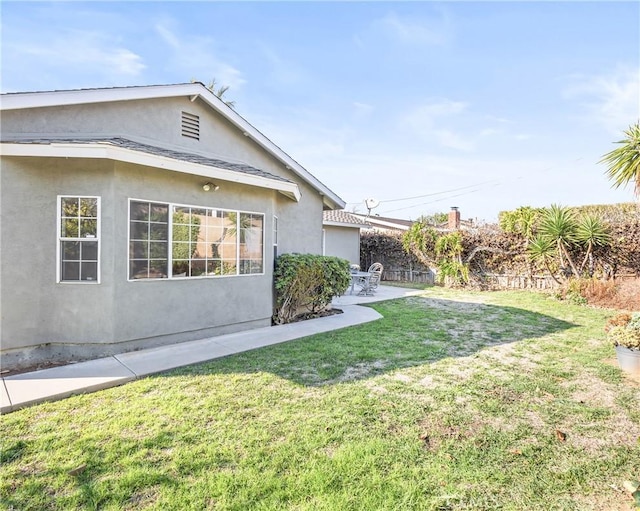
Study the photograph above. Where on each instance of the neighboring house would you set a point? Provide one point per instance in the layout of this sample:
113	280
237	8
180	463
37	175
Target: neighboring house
342	235
386	224
140	216
382	224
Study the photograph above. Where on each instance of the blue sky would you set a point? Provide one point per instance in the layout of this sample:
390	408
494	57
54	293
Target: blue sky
487	106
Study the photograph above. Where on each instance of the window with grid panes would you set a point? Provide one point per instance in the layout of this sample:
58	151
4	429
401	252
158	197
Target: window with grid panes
78	239
194	242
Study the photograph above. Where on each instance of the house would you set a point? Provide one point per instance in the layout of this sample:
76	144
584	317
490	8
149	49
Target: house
134	217
341	235
384	224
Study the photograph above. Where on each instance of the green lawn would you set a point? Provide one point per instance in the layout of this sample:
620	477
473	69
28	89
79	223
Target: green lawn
454	400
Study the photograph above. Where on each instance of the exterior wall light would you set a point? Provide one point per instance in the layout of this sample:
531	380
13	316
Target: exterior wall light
207	187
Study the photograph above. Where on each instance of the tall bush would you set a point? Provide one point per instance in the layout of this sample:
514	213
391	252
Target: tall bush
306	283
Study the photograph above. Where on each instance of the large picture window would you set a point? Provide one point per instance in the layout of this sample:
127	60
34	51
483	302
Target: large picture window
177	241
78	239
148	240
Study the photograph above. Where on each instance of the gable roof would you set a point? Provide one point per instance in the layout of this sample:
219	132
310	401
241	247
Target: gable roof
194	91
341	218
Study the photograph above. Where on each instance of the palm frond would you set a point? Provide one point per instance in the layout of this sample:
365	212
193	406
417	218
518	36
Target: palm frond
624	161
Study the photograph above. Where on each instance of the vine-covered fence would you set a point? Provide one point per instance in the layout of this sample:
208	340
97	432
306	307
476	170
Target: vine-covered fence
499	259
386	248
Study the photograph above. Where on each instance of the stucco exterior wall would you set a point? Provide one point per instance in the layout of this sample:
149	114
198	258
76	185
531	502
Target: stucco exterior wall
342	242
45	320
152	121
158	122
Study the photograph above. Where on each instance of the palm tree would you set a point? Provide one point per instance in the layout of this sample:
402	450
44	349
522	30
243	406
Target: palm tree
542	249
219	92
592	232
624	161
559	225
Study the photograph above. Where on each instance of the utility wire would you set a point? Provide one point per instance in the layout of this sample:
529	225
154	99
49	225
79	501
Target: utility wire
477	187
438	193
433	201
430	194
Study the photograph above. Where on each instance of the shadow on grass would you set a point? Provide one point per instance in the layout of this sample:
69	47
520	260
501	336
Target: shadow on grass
414	331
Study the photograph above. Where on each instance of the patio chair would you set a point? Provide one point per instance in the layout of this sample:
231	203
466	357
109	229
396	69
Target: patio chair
369	284
376	275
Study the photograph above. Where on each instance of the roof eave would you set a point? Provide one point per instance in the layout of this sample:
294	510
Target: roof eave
109	152
343	224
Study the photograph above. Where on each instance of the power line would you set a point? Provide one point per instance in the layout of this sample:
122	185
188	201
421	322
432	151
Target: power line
438	193
477	187
432	194
433	201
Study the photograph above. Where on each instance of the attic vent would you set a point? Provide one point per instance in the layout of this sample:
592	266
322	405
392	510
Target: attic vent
190	125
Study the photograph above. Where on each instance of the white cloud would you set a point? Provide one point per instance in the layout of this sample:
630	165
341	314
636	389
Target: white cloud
86	53
432	121
611	100
282	72
487	132
448	138
167	36
196	57
362	109
426	115
425	31
499	120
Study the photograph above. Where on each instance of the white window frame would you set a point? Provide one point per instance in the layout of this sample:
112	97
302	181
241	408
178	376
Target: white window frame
275	231
170	275
60	239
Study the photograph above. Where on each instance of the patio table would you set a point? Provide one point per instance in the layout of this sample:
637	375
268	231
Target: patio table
359	276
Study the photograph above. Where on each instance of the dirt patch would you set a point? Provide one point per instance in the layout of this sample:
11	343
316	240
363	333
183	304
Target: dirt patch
615	499
314	315
613	294
471	303
360	371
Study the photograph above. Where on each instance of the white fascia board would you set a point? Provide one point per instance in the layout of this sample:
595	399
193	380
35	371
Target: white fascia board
15	101
192	90
374	222
388	225
344	224
104	151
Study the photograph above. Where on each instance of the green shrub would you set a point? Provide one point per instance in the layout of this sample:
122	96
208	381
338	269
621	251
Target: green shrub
306	283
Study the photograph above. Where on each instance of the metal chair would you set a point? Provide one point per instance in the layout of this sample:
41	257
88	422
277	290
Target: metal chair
376	275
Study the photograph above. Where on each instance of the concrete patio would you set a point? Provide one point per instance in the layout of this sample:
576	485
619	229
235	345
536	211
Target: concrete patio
20	390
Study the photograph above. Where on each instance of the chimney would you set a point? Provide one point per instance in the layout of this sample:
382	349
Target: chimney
454	219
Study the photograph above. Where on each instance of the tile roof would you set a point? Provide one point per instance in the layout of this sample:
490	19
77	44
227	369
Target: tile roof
156	151
342	217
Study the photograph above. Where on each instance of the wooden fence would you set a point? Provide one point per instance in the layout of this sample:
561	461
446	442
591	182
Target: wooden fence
492	281
404	275
496	281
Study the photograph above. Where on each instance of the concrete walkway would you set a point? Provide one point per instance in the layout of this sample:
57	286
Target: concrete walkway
26	389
